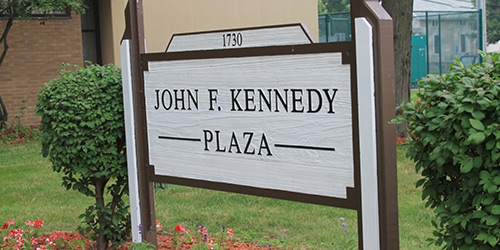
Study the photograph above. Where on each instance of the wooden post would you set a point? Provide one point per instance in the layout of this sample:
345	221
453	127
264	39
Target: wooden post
385	111
135	25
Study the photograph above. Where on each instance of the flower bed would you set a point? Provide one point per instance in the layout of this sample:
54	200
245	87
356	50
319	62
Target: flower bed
165	242
27	236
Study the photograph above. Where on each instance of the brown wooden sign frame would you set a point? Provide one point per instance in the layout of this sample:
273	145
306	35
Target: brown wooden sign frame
384	103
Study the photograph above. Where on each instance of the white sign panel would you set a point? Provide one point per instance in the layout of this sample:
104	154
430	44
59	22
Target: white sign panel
273	122
241	38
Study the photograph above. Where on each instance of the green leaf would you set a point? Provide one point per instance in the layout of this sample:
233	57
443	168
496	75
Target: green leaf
488	201
492	189
454	209
477	138
478	161
490	144
497	180
476	124
484	175
482	236
420	182
466	167
478	115
464	224
497	134
495	210
492	220
442	105
493	240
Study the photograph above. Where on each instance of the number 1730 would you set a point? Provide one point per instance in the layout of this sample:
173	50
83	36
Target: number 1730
232	40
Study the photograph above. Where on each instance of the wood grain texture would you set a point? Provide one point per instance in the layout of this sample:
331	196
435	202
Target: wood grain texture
308	171
254	37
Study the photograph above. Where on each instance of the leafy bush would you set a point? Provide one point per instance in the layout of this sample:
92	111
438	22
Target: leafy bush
83	136
16	131
455	126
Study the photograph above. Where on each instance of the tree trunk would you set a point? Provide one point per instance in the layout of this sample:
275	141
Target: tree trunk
101	240
401	12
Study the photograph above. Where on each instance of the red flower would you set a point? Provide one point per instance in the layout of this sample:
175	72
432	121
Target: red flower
50	241
158	224
203	230
30	223
20	241
7	224
55	235
230	232
34	241
16	246
180	228
210	244
63	235
41	248
16	233
38	223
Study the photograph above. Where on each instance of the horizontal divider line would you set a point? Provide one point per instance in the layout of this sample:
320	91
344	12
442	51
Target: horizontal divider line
276	145
178	138
304	147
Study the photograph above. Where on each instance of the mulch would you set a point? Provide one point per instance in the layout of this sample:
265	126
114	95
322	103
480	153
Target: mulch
164	243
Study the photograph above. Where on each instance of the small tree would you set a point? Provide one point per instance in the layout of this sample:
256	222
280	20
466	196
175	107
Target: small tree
83	136
333	6
23	9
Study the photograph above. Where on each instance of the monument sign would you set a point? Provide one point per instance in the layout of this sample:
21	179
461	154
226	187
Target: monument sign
265	111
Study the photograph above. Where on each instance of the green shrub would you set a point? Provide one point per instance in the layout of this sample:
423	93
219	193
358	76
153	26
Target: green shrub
83	136
455	130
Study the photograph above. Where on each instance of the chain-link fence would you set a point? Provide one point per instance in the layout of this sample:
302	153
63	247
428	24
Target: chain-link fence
438	38
335	27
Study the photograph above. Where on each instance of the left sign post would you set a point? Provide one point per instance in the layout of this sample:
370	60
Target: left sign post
141	189
128	104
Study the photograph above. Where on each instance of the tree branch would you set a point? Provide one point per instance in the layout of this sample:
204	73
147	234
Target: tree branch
3	39
117	198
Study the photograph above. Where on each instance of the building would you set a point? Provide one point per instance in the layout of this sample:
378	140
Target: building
36	51
444	30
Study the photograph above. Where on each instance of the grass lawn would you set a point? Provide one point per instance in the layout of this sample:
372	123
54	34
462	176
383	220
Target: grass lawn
30	190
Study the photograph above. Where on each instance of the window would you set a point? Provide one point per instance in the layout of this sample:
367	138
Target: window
463	43
463	22
434	23
437	46
91	35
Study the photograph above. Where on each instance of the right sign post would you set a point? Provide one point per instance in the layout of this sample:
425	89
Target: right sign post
373	37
